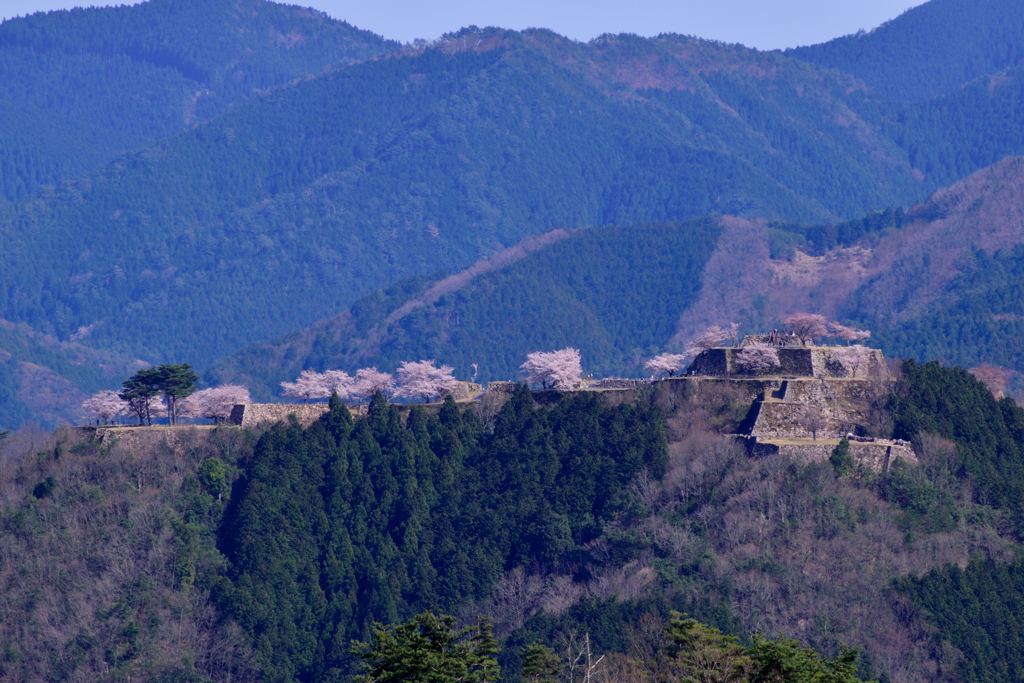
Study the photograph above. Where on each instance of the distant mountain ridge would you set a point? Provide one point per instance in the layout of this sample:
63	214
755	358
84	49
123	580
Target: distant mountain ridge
84	85
625	294
929	50
393	165
294	206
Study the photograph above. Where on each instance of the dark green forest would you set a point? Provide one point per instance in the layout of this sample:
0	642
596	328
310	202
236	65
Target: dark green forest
339	526
82	86
929	50
615	293
976	609
533	512
978	319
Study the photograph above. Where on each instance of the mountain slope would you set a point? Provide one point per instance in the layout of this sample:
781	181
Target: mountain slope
44	381
81	86
940	280
929	50
292	207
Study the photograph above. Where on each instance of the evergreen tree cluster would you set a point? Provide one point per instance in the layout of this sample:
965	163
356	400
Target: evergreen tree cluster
988	433
346	524
977	609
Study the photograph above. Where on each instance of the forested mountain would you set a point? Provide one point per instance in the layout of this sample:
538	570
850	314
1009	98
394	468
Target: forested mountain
293	206
79	87
929	50
939	280
227	554
43	380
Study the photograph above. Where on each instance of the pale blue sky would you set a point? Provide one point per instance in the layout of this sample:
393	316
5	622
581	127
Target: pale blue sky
765	24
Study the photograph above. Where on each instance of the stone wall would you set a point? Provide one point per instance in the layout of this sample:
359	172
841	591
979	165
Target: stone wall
847	403
501	387
464	391
877	455
256	413
794	361
617	383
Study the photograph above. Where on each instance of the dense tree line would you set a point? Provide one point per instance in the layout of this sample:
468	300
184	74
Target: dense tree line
345	524
978	319
977	609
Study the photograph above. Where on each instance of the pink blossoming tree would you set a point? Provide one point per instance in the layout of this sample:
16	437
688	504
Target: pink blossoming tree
105	405
369	381
310	384
423	380
559	370
846	333
667	364
216	403
757	359
807	326
712	337
339	382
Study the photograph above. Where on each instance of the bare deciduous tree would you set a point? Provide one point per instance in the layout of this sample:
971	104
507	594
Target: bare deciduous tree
992	377
853	358
814	419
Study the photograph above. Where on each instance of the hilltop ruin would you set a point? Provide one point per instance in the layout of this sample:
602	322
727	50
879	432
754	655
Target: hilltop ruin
813	397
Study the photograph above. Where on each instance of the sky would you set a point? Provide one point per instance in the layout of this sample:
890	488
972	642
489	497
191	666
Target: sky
764	24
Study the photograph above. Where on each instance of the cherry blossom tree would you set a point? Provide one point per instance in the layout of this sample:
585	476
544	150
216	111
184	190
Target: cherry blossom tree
807	326
559	370
734	333
853	358
339	382
757	359
992	377
369	381
847	334
667	363
422	380
105	405
215	403
712	337
310	384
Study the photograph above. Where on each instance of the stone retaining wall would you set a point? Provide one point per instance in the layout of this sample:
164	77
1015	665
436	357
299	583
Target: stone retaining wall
794	361
877	455
256	413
